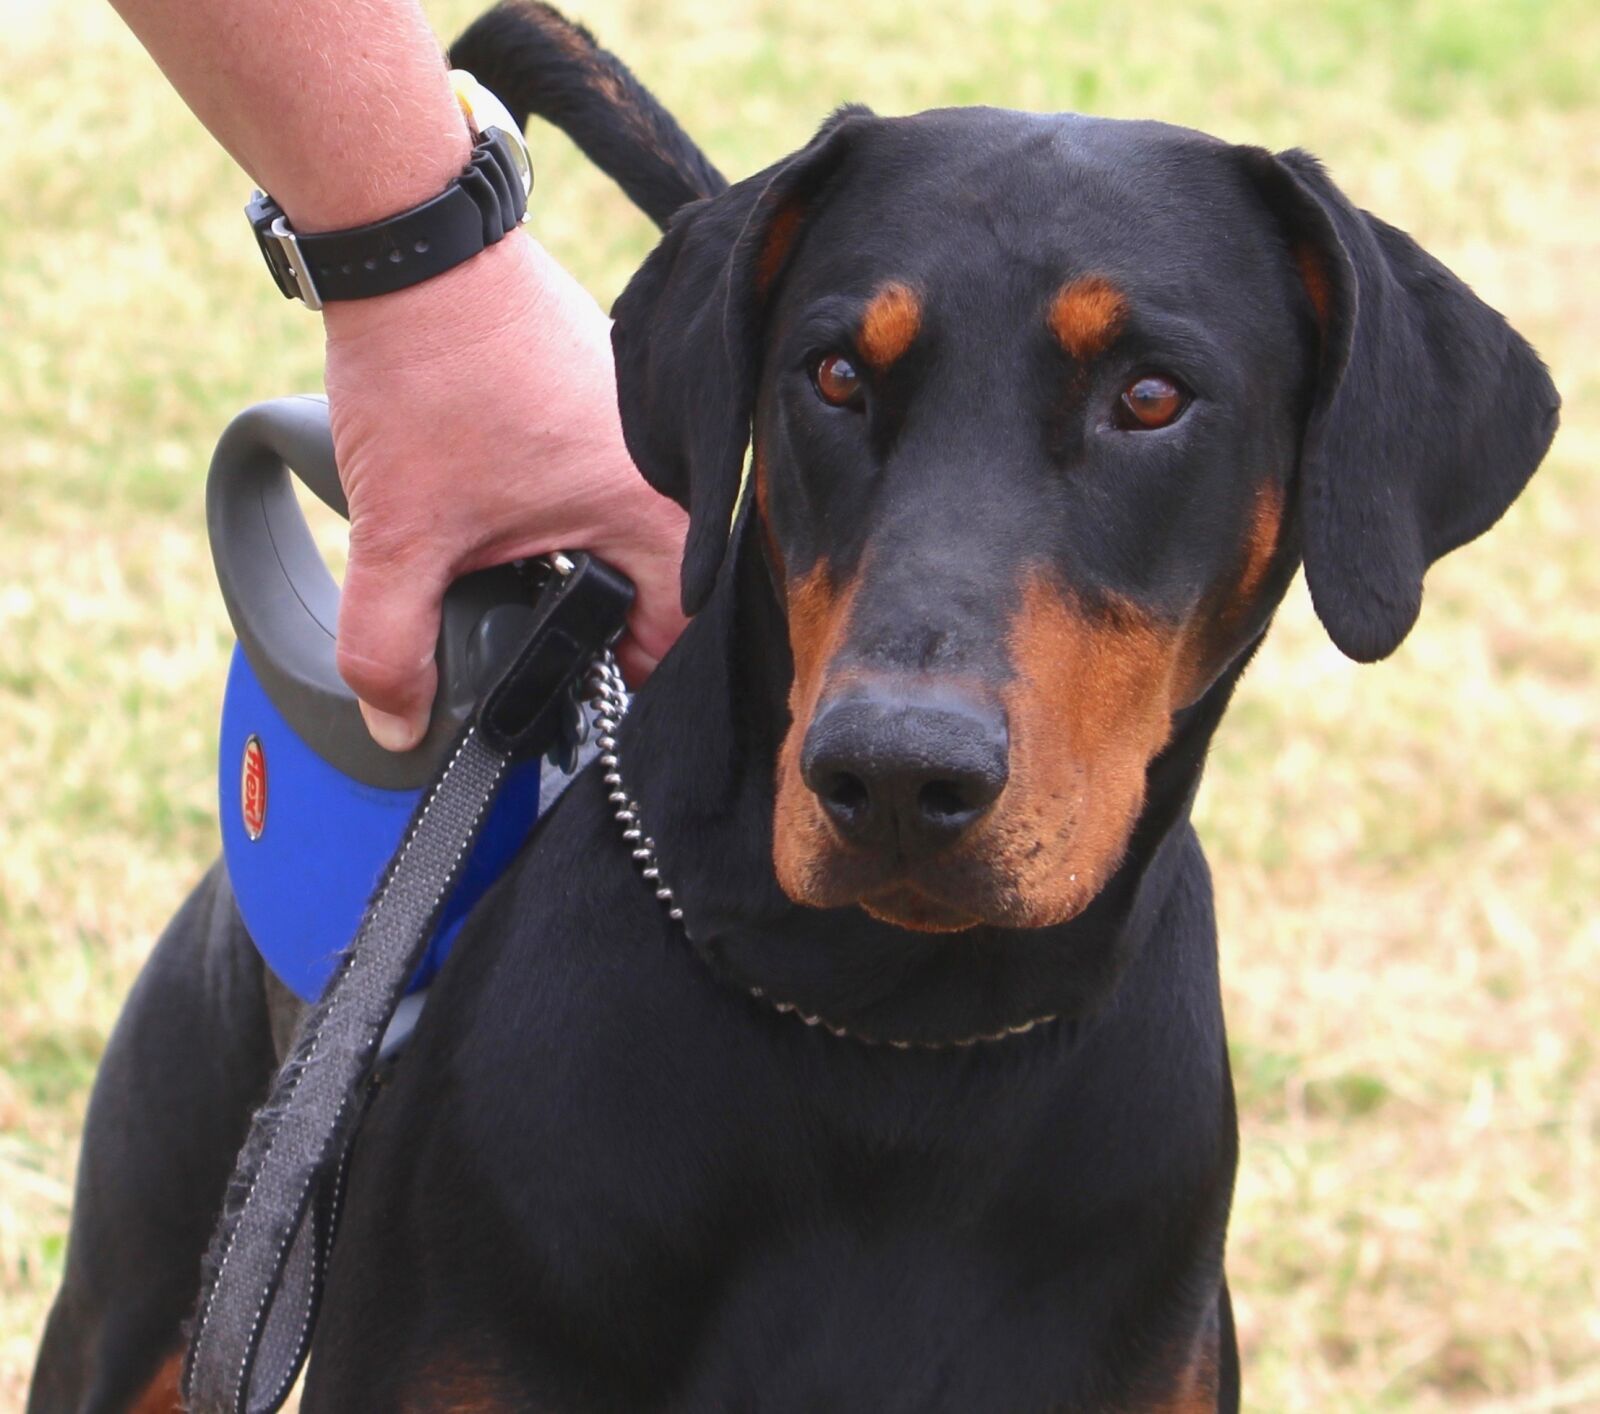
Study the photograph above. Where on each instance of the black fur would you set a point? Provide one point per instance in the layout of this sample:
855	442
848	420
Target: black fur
691	375
1431	414
190	1058
539	63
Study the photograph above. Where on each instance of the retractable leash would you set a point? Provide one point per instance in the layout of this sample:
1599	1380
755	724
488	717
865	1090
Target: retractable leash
507	689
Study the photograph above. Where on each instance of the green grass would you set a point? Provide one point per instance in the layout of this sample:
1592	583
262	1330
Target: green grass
1407	857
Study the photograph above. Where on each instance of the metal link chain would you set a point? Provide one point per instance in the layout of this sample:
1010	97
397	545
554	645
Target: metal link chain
608	699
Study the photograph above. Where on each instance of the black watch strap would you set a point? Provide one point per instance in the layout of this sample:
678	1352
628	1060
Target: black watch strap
473	212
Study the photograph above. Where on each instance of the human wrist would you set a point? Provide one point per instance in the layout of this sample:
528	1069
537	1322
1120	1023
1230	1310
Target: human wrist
331	199
441	316
388	143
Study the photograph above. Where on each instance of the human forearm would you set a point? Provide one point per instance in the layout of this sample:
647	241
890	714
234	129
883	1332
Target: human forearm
341	110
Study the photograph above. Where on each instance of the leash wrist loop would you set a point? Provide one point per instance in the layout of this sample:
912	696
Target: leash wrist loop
264	1270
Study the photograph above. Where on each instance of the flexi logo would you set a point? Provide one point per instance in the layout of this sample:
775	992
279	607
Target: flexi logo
253	788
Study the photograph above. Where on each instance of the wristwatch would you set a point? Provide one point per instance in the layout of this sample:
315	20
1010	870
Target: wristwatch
487	200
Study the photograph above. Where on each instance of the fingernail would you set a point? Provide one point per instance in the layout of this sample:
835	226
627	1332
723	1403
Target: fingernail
392	733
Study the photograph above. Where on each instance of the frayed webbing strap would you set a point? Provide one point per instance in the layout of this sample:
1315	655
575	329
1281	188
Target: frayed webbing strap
264	1271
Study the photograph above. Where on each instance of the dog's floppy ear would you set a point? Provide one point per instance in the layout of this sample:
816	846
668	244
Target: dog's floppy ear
1429	416
687	339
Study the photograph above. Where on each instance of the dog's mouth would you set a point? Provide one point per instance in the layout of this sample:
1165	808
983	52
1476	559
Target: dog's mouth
1035	858
1034	873
907	906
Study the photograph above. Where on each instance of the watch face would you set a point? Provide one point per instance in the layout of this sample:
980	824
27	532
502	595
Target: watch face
485	112
519	158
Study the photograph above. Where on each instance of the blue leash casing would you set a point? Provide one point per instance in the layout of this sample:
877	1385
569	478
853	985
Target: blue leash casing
311	807
306	844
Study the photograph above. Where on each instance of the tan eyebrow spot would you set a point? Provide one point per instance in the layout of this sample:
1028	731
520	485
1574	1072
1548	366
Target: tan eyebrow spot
1086	315
890	324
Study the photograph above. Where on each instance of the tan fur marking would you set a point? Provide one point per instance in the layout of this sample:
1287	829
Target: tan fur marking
459	1386
781	231
818	618
1314	276
163	1395
1196	1394
1090	707
890	323
1214	638
575	41
1198	1379
1086	315
1260	546
907	908
579	47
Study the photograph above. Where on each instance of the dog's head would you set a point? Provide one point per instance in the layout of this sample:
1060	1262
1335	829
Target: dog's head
1046	411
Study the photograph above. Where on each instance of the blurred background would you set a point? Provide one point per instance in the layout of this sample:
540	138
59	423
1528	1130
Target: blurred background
1407	856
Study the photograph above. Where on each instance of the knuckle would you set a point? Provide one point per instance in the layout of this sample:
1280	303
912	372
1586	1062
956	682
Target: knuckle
372	679
379	543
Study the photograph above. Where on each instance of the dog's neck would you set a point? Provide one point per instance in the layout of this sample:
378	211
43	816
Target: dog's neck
699	748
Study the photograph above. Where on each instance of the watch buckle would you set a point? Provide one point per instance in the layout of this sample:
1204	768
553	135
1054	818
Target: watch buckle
281	249
289	244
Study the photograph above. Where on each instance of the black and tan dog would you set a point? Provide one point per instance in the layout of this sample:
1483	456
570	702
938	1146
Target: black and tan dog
925	1105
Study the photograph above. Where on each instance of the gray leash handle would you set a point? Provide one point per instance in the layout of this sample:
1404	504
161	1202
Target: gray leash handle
262	1277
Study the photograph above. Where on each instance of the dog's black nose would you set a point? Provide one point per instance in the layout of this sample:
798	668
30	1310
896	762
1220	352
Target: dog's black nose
894	772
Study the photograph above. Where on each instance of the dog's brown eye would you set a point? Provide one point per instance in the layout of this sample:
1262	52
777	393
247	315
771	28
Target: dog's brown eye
837	381
1150	402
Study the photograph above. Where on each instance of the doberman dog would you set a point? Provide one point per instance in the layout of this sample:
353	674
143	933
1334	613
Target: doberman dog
924	1104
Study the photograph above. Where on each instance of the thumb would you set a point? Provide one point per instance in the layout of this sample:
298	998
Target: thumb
388	630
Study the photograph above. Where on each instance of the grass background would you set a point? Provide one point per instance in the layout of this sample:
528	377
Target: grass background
1407	857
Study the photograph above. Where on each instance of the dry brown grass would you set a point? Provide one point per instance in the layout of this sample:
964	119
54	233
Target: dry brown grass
1407	857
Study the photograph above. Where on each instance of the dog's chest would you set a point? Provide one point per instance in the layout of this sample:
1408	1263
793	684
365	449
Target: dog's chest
762	1244
952	1303
663	1197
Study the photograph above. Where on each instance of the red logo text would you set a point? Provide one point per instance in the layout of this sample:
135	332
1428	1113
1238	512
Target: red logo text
253	788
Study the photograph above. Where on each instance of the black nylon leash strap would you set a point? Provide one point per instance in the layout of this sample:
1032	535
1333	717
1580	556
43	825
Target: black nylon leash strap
263	1273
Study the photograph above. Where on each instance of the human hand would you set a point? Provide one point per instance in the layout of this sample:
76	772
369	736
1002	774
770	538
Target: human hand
474	422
